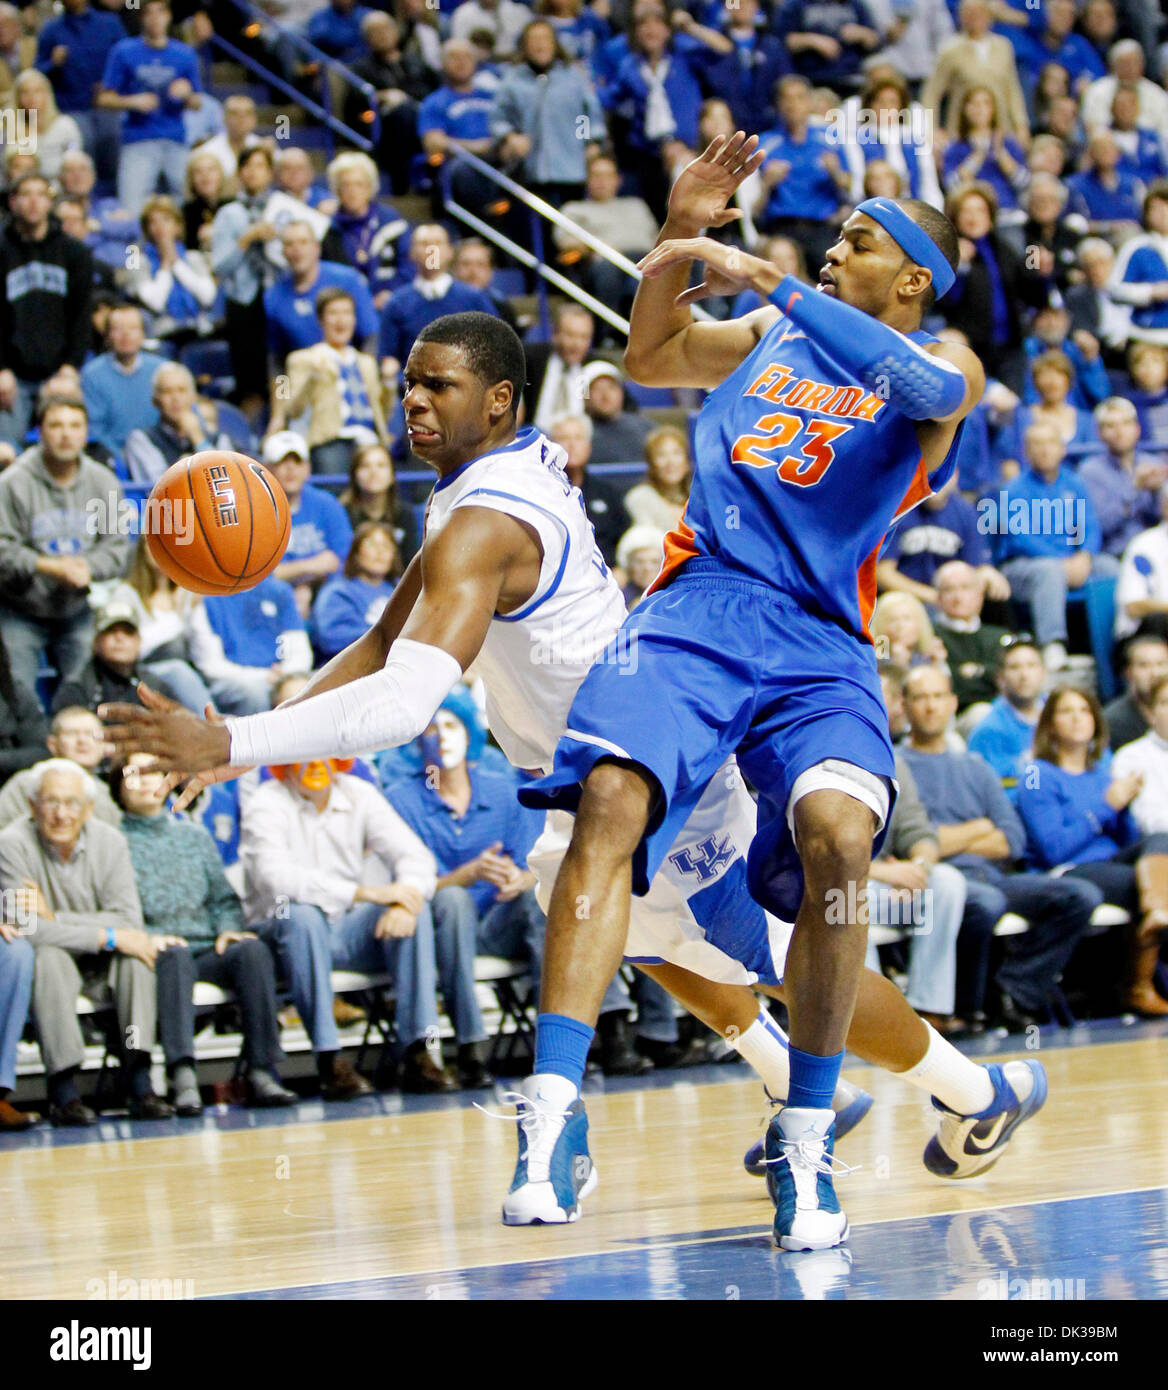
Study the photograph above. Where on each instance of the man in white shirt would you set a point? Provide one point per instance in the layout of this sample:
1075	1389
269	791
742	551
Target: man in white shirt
556	382
303	845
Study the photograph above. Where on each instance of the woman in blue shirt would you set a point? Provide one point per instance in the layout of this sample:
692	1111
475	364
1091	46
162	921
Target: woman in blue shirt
984	151
351	602
1076	813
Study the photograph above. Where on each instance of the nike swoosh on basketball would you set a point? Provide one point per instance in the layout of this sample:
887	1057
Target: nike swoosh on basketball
974	1145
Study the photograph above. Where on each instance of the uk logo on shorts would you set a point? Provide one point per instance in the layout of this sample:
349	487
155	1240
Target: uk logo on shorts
705	859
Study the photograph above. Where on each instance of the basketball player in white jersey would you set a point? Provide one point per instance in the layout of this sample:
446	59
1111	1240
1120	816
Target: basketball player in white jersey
509	577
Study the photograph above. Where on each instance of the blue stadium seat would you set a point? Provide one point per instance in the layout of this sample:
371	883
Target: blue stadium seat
508	282
209	362
234	422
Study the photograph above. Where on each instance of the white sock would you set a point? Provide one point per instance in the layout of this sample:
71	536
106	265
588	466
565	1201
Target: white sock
556	1091
764	1046
962	1085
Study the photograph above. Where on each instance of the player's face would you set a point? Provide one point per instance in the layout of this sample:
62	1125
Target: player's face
863	266
447	407
1074	724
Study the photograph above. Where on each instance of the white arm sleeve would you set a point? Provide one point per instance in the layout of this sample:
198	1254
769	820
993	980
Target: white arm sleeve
380	711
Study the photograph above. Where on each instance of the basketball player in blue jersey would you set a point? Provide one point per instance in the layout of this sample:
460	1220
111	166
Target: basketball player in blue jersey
831	415
509	564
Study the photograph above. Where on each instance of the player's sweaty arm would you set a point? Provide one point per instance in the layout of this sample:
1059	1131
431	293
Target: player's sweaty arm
472	566
667	347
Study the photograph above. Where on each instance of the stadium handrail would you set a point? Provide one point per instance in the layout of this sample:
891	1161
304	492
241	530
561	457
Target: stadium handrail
257	21
539	209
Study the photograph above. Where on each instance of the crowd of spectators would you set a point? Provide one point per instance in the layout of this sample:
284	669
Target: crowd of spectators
182	272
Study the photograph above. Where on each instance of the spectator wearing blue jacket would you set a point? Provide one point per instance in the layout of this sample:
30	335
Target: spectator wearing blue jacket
1053	378
118	385
983	150
432	293
656	95
152	79
1105	194
1140	276
804	183
1141	149
458	116
1076	812
547	117
336	30
321	533
72	50
290	303
1123	482
1049	541
1005	736
828	43
351	602
981	834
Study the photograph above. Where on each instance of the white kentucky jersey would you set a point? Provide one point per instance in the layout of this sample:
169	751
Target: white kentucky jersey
533	660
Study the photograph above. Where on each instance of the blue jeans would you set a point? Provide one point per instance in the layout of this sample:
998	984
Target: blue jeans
140	166
456	921
16	969
67	642
190	689
932	968
101	134
1042	584
308	948
1058	910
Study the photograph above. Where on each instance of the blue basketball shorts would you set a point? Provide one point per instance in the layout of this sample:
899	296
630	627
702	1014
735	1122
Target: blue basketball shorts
718	664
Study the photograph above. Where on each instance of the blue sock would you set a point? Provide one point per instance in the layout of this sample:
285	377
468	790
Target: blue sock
561	1046
813	1079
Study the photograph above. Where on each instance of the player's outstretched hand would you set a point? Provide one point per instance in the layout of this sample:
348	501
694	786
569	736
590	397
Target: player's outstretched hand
698	199
176	739
728	268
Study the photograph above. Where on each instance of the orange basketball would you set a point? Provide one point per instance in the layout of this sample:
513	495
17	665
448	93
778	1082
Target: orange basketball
217	522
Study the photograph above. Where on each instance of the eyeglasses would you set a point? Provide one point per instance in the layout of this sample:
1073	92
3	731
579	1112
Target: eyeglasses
61	803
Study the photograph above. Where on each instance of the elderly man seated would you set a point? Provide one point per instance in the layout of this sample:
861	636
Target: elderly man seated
87	930
181	427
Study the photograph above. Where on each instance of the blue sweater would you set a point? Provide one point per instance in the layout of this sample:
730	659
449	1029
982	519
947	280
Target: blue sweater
958	787
249	624
135	67
346	609
409	311
119	401
1067	817
319	522
1003	739
1040	520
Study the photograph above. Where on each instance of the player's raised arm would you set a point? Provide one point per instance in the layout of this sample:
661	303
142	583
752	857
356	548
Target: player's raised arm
666	346
475	562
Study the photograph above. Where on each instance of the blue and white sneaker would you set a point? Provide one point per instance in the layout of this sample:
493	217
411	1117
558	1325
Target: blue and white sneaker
966	1145
850	1104
800	1167
554	1171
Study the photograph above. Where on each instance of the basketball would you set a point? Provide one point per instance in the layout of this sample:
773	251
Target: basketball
217	522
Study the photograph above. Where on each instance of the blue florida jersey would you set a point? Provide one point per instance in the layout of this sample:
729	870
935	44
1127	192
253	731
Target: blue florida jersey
800	472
